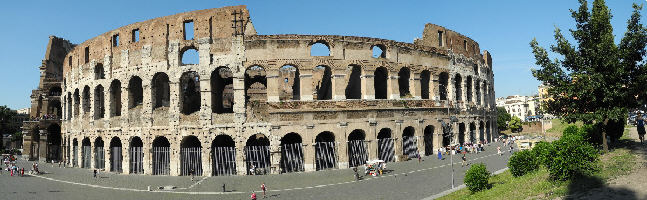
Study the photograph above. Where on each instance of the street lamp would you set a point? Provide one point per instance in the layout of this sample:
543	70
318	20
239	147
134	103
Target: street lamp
447	131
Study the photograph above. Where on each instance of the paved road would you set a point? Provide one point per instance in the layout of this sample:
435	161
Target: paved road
408	180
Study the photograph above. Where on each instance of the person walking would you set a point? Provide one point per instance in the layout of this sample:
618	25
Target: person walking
419	158
498	150
440	155
464	160
253	196
95	173
641	128
263	189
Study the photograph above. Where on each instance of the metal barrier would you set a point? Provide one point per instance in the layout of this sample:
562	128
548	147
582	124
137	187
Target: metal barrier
409	146
99	158
191	161
385	149
115	159
357	154
86	154
292	158
75	162
325	155
161	160
224	161
136	160
258	159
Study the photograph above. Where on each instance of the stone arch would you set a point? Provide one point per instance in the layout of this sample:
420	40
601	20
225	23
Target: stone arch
380	82
190	92
461	133
75	152
482	132
115	98
357	154
385	148
291	153
54	142
255	84
488	131
290	83
161	156
137	155
322	80
403	81
160	90
379	51
86	99
222	90
425	77
468	87
54	108
86	153
477	89
319	48
77	102
99	108
135	92
54	91
429	140
189	55
190	156
257	154
98	72
472	133
116	156
458	80
443	83
223	156
325	151
354	87
409	142
99	154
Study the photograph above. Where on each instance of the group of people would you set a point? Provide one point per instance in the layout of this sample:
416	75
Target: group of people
263	188
506	142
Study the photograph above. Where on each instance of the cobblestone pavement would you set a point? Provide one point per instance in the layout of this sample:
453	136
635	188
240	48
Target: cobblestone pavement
407	180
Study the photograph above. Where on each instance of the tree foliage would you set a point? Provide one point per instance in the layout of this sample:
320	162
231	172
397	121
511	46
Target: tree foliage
515	124
477	177
596	81
503	117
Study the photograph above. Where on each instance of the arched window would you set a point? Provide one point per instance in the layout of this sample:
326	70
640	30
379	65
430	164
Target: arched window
409	142
98	72
403	81
160	91
135	92
55	91
325	151
222	91
468	86
458	87
77	102
380	82
255	84
323	82
354	87
425	76
443	81
190	92
99	109
86	99
115	98
190	56
320	48
290	83
385	148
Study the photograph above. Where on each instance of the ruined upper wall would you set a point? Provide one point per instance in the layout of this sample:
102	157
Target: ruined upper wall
210	26
451	40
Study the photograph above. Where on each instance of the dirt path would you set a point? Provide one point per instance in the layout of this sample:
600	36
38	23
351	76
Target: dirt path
632	186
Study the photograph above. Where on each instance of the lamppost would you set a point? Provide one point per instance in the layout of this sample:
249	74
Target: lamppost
449	134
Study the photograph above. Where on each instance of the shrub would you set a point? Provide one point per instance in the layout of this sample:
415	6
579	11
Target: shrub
476	178
523	162
542	152
571	156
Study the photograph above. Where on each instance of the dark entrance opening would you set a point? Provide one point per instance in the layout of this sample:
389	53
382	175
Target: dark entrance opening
223	156
357	154
190	156
380	82
291	153
257	154
429	140
385	150
161	156
409	142
325	151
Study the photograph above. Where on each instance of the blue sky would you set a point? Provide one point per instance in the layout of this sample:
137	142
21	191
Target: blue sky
503	27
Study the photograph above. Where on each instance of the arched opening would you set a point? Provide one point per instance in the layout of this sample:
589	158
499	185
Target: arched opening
116	157
161	156
488	131
380	82
291	153
320	48
98	72
357	154
135	92
35	143
190	156
99	154
55	91
461	133
255	84
354	87
257	154
115	98
472	133
290	83
475	68
482	132
190	56
222	91
385	150
160	90
429	140
403	82
68	106
137	156
86	99
77	102
468	86
457	87
86	153
478	92
54	109
53	143
99	108
485	94
409	142
379	51
75	153
322	82
223	156
425	77
325	151
190	92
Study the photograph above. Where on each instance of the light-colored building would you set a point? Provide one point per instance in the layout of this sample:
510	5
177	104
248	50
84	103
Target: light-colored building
24	111
524	107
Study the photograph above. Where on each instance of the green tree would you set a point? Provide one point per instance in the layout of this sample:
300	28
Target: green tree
6	117
502	118
596	81
515	124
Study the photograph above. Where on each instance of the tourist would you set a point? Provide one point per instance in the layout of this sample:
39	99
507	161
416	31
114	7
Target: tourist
253	196
252	170
498	150
440	155
641	128
263	189
95	173
464	160
356	174
419	158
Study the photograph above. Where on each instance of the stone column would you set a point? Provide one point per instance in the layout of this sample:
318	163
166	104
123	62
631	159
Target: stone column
241	166
206	158
371	137
174	103
175	156
339	83
273	85
305	81
416	87
125	156
205	101
397	136
393	88
92	153
368	86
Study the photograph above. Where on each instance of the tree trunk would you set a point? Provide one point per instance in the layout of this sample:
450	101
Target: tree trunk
605	147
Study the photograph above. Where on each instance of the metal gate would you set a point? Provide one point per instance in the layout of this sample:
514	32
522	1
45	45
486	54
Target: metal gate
258	158
161	159
357	154
115	159
136	160
99	158
224	161
53	152
385	149
86	154
292	158
409	146
325	155
191	161
75	162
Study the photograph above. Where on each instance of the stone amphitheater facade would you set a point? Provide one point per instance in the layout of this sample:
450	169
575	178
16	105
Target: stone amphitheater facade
264	102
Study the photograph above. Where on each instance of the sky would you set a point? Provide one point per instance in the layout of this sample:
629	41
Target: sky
502	27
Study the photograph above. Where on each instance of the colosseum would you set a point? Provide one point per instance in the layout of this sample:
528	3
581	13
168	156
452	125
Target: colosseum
131	100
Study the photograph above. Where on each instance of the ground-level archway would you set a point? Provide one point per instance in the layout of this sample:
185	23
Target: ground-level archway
223	156
161	156
409	142
325	151
461	133
385	150
357	154
115	155
86	153
257	154
190	156
99	154
75	154
53	143
429	140
291	153
136	156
